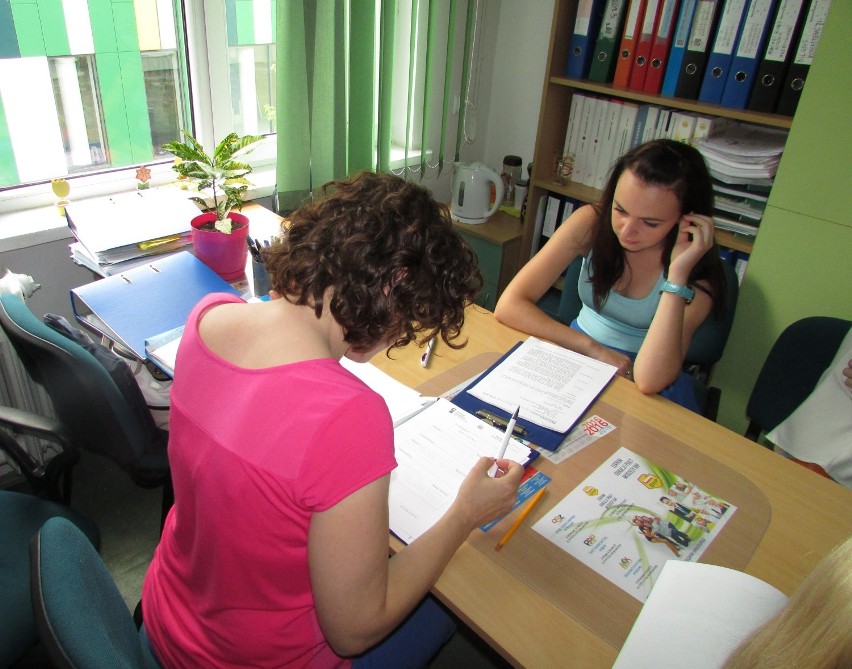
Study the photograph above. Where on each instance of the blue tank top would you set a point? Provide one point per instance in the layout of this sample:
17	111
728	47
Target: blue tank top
623	322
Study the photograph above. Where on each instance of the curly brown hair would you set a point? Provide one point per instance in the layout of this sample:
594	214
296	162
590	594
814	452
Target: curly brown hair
388	252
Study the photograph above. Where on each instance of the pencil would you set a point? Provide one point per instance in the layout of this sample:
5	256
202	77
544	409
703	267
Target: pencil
519	520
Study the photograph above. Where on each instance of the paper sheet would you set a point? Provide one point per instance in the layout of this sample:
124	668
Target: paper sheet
435	450
552	385
696	615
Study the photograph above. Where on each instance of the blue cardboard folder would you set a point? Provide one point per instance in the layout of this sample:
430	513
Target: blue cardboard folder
140	303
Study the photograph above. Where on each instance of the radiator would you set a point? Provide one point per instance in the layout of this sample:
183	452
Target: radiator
19	390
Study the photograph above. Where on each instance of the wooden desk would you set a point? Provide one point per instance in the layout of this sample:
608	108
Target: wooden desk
807	516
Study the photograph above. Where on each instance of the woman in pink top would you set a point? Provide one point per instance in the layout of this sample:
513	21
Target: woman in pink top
275	553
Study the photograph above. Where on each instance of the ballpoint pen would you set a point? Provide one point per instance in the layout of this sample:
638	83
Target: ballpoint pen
529	507
507	434
427	354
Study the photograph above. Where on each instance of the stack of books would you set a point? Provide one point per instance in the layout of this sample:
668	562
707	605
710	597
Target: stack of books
742	54
600	130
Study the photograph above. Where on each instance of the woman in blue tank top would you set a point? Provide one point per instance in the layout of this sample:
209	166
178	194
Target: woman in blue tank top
651	272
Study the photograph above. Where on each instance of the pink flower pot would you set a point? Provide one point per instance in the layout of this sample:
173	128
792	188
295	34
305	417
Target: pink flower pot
224	254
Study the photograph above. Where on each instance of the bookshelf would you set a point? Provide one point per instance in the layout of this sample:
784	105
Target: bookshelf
553	120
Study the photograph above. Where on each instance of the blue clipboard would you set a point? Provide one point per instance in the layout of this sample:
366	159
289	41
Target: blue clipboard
535	434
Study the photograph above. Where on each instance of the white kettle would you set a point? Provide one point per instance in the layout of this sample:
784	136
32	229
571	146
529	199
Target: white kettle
471	202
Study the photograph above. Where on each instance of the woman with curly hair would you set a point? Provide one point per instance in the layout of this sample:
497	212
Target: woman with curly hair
276	550
651	272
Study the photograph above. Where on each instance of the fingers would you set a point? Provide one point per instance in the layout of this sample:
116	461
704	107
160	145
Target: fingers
699	228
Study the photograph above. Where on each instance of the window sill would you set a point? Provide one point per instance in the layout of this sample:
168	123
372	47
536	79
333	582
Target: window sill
41	225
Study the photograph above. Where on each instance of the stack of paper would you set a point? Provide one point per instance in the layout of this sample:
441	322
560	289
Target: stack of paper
124	227
740	153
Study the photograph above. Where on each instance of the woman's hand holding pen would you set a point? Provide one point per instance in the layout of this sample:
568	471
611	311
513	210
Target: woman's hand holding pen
482	498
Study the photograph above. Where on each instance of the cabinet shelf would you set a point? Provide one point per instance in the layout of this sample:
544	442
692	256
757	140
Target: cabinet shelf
773	120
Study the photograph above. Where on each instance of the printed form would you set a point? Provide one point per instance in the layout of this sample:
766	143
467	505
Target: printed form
552	385
435	450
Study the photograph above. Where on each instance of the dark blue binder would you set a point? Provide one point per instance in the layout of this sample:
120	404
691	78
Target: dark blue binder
758	21
586	26
136	305
724	46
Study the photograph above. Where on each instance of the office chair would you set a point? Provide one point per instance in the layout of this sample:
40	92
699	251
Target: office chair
82	619
21	516
92	414
793	366
706	347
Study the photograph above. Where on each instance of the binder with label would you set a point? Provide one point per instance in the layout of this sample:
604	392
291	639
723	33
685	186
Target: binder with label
573	130
602	67
678	46
629	40
626	124
611	117
584	139
660	46
586	26
758	19
136	305
692	68
722	54
773	67
802	59
643	47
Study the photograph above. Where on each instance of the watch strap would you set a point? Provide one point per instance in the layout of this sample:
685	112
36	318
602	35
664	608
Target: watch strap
685	292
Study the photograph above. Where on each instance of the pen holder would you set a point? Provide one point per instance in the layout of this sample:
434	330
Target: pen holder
260	278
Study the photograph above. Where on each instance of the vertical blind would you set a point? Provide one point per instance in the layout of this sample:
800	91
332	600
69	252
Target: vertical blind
385	85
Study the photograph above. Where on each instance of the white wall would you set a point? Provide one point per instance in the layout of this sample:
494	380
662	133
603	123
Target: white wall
520	57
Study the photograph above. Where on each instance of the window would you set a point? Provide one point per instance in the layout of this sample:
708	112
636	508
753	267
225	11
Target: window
90	94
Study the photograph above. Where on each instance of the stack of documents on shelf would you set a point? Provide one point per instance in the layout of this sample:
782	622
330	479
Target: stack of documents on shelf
740	153
702	611
552	386
122	228
739	207
132	307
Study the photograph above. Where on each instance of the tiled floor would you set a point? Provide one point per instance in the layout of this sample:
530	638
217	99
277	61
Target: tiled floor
128	517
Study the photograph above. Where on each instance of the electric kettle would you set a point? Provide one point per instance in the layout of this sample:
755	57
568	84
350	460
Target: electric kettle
471	202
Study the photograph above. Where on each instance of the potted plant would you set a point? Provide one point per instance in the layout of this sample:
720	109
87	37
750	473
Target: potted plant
219	234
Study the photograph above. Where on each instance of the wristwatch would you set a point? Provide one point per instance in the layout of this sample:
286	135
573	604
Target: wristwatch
685	292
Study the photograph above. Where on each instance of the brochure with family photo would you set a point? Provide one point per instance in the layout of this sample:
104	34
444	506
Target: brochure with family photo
630	516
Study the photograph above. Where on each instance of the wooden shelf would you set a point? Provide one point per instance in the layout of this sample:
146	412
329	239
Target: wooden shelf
773	120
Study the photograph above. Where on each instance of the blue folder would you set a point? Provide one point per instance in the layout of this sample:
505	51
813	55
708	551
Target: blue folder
582	44
678	49
744	67
136	305
719	63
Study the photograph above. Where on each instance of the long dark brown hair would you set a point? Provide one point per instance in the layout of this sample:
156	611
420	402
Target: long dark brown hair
390	255
681	169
